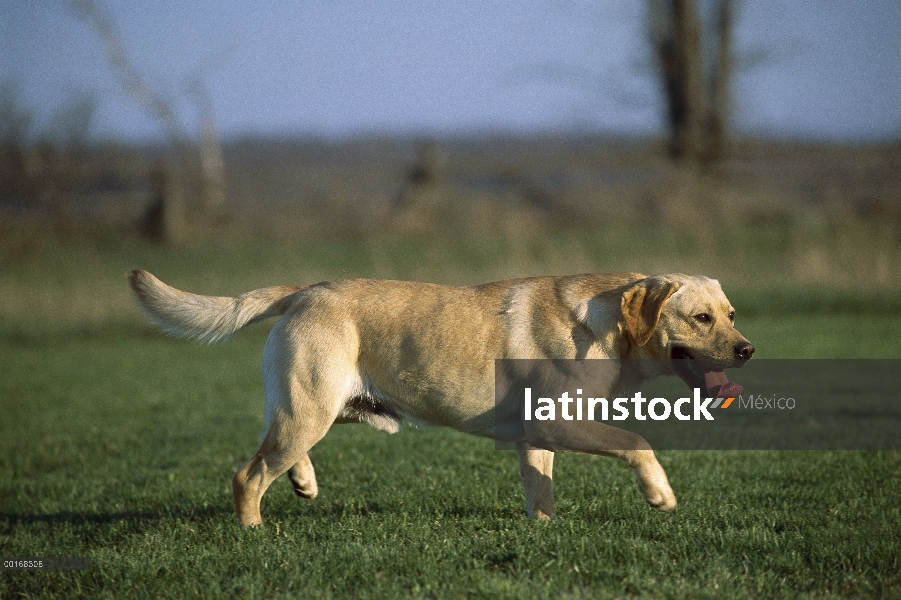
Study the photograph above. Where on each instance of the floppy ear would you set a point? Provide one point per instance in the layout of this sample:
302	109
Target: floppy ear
642	304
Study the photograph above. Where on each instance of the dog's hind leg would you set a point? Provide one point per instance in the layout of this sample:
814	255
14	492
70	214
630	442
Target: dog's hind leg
283	447
304	394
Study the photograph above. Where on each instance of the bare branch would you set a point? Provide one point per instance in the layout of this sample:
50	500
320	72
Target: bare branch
132	80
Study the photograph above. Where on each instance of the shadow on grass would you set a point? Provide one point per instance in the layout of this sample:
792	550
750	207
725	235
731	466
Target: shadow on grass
8	521
427	509
11	520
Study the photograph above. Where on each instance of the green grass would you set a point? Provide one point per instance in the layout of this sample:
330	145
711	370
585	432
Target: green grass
119	445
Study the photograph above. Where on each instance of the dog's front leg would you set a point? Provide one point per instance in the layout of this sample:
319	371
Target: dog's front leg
536	469
597	438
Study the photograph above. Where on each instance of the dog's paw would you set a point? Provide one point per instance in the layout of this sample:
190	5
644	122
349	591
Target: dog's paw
662	501
305	490
303	480
655	487
542	516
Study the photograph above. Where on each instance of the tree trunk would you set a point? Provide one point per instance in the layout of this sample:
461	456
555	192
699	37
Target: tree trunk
721	103
696	90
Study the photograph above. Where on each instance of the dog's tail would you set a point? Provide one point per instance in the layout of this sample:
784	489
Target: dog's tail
208	318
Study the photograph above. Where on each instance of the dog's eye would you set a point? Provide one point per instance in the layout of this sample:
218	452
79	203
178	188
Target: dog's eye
732	316
703	318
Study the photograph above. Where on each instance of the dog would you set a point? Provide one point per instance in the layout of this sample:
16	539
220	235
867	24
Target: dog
381	352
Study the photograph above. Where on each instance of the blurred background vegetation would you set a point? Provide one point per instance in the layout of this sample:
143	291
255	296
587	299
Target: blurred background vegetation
765	217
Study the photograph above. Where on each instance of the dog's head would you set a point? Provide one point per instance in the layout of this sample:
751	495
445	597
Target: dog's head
688	323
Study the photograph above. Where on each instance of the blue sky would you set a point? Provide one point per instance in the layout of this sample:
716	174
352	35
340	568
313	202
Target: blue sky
822	69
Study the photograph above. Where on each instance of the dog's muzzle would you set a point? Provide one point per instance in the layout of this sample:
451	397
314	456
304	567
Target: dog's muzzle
712	380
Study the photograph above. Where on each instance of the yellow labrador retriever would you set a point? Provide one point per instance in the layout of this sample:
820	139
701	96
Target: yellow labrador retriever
380	352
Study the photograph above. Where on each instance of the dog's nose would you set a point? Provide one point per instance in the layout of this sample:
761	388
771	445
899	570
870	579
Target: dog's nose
744	350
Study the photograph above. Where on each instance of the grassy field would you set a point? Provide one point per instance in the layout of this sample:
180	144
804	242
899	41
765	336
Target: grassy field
119	444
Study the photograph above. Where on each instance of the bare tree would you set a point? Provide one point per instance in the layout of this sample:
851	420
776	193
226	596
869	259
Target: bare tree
37	162
695	73
16	123
15	120
207	152
212	163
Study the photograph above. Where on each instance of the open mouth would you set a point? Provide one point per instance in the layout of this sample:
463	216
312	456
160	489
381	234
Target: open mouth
714	383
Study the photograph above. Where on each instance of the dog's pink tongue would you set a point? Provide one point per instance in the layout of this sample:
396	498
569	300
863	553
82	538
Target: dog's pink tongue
719	386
